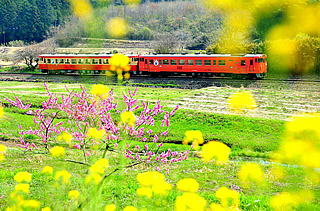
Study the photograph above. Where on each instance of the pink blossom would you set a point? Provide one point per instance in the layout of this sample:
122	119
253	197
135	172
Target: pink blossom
77	146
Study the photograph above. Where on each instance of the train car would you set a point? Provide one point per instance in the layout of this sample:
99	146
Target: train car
251	65
80	63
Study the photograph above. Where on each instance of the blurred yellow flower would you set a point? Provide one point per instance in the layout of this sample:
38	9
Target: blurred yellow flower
250	173
117	27
73	194
64	175
99	166
228	197
216	207
82	8
188	185
110	207
22	176
67	137
95	178
190	201
241	100
276	173
119	63
128	117
33	204
1	112
2	157
3	150
195	136
57	151
161	187
100	90
132	1
47	169
95	134
127	76
216	150
144	191
22	187
130	208
150	178
46	209
283	201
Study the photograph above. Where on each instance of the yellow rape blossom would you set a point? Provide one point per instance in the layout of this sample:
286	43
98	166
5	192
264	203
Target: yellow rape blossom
73	194
95	178
250	173
99	166
3	150
46	209
110	207
67	137
130	208
63	175
47	169
150	178
195	136
119	63
283	201
241	100
82	8
22	187
144	191
117	27
57	151
188	184
161	187
100	90
228	197
276	173
132	1
33	204
128	117
189	201
95	134
216	150
22	176
216	207
1	112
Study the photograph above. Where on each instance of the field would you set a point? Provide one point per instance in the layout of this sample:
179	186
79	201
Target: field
252	136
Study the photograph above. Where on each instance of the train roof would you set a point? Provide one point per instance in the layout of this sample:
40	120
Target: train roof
83	55
202	55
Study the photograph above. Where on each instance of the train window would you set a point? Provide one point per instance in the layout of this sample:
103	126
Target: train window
142	59
214	62
150	61
260	60
80	61
160	62
61	61
251	62
173	62
190	62
105	61
41	59
199	62
165	62
243	62
94	61
231	60
100	61
67	61
88	61
136	59
44	61
56	61
73	61
146	61
222	62
256	60
182	62
48	61
207	62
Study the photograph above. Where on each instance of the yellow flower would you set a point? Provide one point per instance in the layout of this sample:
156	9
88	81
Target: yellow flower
188	184
128	117
31	204
217	150
195	136
228	198
73	194
100	90
82	8
283	201
130	208
22	176
1	112
95	134
57	151
250	173
190	201
47	169
132	1
241	100
99	166
110	207
150	178
143	191
67	137
216	207
96	178
2	157
119	63
161	187
117	27
3	150
64	175
46	209
127	76
22	187
277	173
304	127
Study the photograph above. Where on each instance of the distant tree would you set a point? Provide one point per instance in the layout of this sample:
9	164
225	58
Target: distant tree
8	16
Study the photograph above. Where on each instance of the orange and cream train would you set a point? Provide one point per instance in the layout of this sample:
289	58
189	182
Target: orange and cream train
251	65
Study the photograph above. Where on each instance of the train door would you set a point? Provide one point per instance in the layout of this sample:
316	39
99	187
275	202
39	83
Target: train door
251	65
